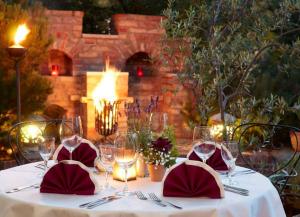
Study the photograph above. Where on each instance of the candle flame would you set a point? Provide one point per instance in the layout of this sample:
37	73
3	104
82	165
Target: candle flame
21	33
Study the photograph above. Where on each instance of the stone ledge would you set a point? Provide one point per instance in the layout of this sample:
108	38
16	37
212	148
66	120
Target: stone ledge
100	36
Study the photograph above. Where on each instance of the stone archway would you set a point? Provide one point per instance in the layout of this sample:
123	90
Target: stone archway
59	63
142	77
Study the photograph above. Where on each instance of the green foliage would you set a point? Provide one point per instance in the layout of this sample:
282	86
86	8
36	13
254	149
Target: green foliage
34	87
157	157
224	45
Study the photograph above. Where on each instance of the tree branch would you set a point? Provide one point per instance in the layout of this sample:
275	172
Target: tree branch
247	70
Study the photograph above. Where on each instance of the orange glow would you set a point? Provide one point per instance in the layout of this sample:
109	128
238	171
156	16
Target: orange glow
20	35
119	173
106	88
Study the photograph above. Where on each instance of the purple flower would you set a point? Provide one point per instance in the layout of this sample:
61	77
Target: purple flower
162	145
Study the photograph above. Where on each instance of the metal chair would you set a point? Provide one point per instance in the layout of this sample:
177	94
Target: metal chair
267	148
23	138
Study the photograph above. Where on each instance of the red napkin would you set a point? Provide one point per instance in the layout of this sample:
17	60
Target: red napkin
85	153
68	177
192	179
215	161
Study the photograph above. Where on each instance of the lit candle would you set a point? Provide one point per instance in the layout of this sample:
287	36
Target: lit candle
119	173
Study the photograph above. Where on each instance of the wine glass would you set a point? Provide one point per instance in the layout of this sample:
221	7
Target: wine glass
158	122
106	160
203	143
126	153
71	133
230	152
46	149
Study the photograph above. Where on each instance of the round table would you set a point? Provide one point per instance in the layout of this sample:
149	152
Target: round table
263	200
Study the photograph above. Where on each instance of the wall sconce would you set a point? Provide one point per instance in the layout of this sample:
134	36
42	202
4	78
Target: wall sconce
139	72
54	70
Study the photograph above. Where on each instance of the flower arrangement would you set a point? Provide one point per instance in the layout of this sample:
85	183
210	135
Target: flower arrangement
157	149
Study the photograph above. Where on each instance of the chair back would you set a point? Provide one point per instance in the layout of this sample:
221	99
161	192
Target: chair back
23	138
272	150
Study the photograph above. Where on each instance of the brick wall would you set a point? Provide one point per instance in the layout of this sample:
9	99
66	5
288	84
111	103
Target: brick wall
135	33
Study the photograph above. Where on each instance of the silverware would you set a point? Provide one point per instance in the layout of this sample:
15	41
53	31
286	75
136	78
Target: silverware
96	201
236	191
154	197
22	188
237	188
244	172
141	196
91	206
40	166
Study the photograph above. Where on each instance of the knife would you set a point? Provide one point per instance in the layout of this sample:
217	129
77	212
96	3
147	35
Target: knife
95	201
22	188
91	206
236	188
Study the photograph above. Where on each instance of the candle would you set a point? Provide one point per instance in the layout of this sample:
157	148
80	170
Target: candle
119	173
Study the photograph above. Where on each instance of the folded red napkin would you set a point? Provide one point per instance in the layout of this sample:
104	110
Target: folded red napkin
85	153
215	161
68	177
192	179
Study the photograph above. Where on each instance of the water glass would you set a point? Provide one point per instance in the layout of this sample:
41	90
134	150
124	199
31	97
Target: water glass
106	161
230	152
126	153
203	143
46	149
71	133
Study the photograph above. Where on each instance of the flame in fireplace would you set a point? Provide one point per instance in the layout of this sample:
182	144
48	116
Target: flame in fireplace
106	89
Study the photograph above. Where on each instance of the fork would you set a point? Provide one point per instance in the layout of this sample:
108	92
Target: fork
155	198
141	196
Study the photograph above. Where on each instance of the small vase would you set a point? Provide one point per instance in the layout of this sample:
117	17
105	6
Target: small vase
156	172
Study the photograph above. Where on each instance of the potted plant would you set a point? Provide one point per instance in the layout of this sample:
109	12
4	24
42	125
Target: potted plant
159	155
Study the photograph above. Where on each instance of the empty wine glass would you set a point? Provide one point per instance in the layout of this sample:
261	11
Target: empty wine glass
106	160
203	143
71	133
230	152
46	149
126	152
158	122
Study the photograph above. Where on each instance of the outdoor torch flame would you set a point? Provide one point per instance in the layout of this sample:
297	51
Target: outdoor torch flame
21	33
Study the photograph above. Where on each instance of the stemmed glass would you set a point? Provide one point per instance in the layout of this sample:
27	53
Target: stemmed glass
158	122
46	149
71	133
203	143
126	153
106	160
230	152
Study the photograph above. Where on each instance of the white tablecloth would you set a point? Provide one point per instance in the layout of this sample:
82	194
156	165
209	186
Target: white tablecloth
263	201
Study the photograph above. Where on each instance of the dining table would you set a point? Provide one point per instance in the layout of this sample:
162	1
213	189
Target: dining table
263	199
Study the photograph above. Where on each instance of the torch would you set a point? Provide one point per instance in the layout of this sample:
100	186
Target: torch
17	52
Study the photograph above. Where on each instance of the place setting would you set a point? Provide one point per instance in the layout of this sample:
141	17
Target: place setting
77	163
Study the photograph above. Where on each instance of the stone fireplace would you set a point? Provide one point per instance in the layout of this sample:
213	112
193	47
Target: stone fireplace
135	48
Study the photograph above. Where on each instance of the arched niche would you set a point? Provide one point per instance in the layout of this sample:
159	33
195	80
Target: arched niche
59	64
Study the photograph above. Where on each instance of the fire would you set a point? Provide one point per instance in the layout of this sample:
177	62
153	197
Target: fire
21	33
106	89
